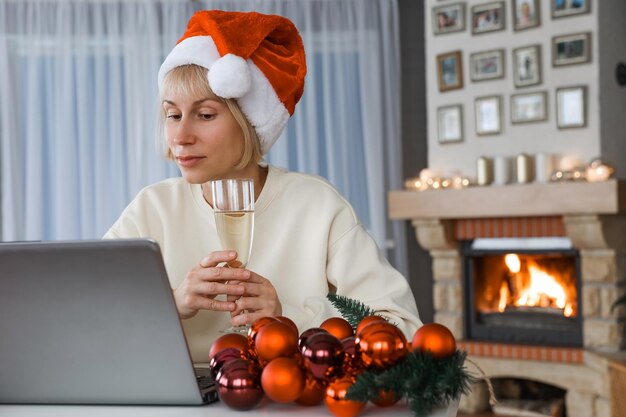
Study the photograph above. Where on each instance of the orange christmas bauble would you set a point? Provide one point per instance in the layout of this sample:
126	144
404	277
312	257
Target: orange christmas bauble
367	320
313	393
254	330
338	327
274	340
282	380
336	401
235	340
381	345
436	339
386	398
289	322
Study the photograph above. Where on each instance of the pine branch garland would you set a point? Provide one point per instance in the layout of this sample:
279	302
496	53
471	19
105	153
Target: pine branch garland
352	310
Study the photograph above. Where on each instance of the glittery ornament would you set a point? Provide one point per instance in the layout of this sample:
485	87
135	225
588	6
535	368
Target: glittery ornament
381	345
283	380
352	364
313	392
338	327
275	340
239	384
323	355
220	358
436	339
336	401
367	320
235	340
308	333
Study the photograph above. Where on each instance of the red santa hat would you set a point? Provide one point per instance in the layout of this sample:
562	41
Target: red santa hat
254	58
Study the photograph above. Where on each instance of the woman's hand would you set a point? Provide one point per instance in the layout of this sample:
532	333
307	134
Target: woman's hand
258	300
205	281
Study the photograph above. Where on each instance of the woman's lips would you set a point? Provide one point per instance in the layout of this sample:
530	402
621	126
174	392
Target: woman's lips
189	161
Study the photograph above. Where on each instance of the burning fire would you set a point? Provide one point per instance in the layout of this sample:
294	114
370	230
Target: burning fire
536	289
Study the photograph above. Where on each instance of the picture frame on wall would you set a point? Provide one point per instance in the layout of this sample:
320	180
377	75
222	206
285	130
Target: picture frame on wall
526	14
488	17
450	71
488	111
450	124
567	8
527	66
571	49
529	107
487	65
449	18
571	107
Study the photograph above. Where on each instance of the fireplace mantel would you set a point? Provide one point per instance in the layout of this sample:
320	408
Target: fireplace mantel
563	198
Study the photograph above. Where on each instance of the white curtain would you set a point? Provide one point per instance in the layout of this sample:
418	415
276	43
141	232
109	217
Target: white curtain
78	106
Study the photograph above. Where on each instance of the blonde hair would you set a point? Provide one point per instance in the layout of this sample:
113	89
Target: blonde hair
191	80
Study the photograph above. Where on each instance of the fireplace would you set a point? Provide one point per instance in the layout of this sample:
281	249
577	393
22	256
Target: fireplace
590	338
525	296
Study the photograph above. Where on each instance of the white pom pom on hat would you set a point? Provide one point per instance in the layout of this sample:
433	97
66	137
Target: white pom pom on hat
254	58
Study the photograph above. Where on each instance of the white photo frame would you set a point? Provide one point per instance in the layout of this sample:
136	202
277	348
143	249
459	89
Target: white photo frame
571	107
450	124
487	65
488	112
529	107
527	66
449	18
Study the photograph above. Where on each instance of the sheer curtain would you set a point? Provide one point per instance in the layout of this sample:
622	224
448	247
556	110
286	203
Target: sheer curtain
78	106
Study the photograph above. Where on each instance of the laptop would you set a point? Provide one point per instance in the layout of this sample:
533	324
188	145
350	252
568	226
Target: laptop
92	322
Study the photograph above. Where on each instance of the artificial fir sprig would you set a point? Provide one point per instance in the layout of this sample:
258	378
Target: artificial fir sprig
425	381
352	310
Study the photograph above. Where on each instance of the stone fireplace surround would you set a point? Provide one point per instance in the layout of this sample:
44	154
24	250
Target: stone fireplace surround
593	216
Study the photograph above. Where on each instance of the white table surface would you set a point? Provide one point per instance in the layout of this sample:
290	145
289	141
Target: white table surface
266	408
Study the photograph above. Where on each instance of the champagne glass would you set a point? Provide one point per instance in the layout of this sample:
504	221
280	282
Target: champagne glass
233	205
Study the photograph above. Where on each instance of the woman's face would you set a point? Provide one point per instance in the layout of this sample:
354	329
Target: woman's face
205	139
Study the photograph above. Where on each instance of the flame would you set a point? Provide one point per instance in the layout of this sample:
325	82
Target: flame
541	290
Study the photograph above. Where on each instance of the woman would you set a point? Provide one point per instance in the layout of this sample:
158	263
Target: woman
227	90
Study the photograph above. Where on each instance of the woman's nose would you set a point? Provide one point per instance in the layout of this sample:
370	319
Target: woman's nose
184	134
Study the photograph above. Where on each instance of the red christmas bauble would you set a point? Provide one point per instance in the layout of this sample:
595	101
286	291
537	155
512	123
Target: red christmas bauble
254	330
235	340
336	401
323	355
313	392
338	327
308	333
282	380
367	320
220	358
289	322
239	384
386	398
274	340
436	339
381	345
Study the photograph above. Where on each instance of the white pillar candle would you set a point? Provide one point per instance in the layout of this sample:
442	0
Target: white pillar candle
524	173
544	166
484	174
501	170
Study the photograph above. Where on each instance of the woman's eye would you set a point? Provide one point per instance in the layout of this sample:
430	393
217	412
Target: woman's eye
173	116
207	116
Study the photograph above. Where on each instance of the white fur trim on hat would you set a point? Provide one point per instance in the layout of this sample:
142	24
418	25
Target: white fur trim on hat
199	50
229	76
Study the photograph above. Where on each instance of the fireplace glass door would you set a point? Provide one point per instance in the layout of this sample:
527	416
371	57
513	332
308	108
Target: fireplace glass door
523	296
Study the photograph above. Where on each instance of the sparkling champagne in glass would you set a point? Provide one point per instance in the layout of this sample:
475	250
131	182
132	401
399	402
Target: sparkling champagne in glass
233	205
